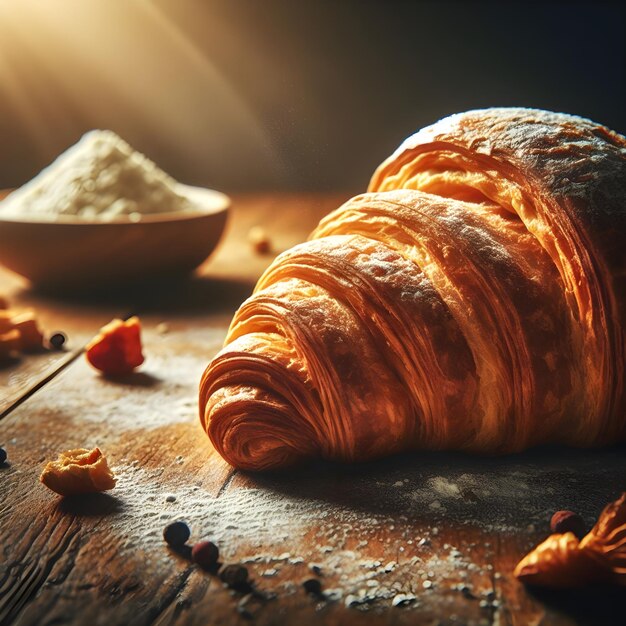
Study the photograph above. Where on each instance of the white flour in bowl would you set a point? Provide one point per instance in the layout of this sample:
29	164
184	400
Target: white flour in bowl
99	178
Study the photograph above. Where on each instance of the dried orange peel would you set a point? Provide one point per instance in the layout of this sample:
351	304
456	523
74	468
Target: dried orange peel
599	557
116	350
77	472
24	326
31	337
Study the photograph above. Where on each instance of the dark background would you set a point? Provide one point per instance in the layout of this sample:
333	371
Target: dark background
288	94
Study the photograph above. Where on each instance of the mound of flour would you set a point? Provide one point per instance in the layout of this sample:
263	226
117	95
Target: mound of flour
99	178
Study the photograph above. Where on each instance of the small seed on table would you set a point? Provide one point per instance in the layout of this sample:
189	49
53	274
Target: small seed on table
3	455
57	340
176	534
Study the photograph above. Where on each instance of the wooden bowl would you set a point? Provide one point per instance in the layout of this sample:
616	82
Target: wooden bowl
75	253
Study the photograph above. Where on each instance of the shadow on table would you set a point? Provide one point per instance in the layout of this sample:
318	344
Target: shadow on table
135	379
170	294
504	493
511	498
90	505
8	362
591	606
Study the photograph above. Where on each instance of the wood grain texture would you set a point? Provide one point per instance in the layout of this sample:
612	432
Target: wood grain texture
452	520
78	321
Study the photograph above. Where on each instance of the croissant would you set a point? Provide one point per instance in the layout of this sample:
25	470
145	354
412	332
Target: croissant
473	299
563	561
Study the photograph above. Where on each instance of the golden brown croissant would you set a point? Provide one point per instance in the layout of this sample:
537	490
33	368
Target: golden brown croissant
472	300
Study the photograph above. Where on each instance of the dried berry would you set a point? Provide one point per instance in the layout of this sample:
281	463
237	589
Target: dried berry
312	585
234	575
3	455
57	340
116	351
568	522
176	534
205	554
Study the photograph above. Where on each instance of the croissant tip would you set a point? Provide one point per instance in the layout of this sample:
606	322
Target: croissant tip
523	572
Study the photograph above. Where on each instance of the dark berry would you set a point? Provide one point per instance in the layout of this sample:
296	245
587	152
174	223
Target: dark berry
205	554
176	534
568	521
234	575
3	455
312	585
57	340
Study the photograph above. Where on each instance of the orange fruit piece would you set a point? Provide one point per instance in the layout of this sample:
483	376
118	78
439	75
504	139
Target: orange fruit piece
116	350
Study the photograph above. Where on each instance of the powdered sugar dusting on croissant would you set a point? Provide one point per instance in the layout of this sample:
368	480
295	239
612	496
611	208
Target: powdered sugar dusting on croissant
472	299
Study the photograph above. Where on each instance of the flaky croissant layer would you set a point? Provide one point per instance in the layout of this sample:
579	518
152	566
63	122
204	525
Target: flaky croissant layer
473	299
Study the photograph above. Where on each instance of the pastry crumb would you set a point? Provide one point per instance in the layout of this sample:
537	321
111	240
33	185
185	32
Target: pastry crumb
163	328
259	240
78	471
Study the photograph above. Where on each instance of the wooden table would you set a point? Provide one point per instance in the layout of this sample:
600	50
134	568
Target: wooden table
443	530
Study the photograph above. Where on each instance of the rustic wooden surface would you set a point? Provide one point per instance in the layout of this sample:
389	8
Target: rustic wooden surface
446	528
